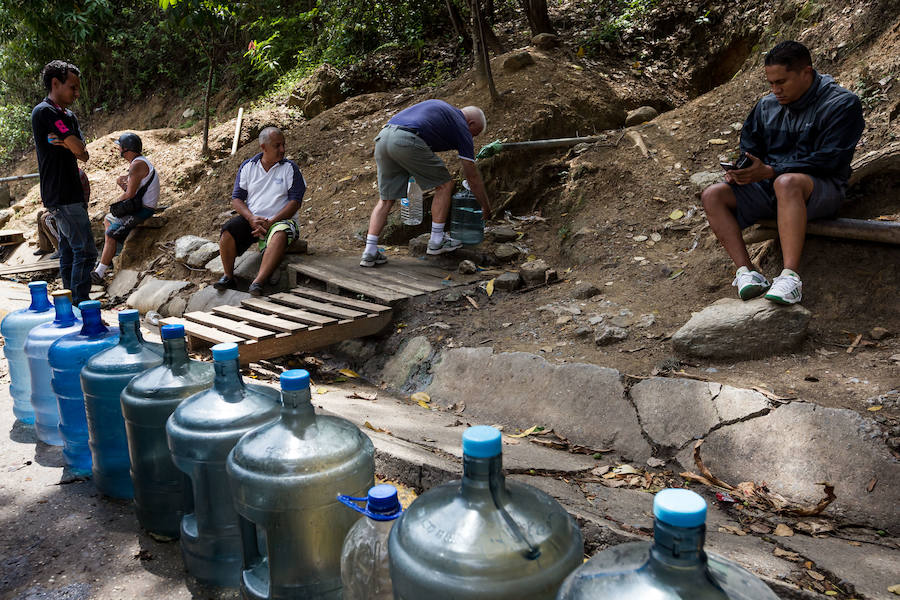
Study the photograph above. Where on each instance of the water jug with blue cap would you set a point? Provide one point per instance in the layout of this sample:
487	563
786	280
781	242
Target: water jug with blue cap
14	328
365	569
466	217
201	432
484	537
102	380
37	349
285	477
673	567
161	490
67	356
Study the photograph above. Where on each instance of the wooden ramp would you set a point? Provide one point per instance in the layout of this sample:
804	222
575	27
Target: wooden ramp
299	320
398	280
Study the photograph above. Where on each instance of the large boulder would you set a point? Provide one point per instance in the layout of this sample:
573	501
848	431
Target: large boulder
640	115
732	328
318	92
187	244
203	254
153	293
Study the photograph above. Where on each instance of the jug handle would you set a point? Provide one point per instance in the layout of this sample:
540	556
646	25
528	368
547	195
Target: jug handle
352	503
532	552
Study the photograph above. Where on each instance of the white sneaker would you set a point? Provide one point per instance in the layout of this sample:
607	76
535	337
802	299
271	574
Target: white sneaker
786	289
448	244
750	284
370	260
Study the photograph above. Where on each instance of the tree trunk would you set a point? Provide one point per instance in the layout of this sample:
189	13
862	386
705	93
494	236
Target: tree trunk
205	150
538	19
459	26
482	58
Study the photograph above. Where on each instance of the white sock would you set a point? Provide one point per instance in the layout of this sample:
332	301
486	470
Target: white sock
437	232
101	269
371	244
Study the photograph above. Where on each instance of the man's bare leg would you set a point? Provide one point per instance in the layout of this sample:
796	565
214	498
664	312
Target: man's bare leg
109	251
227	252
720	203
440	206
271	257
379	216
792	190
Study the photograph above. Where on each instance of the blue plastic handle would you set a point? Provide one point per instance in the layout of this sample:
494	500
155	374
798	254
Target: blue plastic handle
352	503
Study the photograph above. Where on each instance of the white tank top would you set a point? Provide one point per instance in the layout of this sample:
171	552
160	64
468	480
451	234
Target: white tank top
151	196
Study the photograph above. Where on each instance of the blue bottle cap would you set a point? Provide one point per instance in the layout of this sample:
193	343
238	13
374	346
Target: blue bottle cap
129	315
226	351
89	305
37	285
679	508
481	441
382	499
171	332
295	379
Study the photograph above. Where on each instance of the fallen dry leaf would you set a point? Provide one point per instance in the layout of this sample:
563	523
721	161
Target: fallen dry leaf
815	575
782	530
531	430
321	390
422	399
349	373
489	288
472	301
732	529
363	396
626	470
368	425
895	589
786	554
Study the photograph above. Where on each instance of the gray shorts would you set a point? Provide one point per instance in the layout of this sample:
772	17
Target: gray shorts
399	154
756	201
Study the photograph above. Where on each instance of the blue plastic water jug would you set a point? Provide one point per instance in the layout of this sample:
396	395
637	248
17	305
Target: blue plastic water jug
483	538
285	477
161	491
673	567
466	218
67	356
37	347
14	328
202	431
102	380
365	568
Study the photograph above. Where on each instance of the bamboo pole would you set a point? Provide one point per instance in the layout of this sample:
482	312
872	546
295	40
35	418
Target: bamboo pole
237	130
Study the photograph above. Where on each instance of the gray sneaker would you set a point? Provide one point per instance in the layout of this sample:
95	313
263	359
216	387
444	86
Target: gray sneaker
448	244
370	260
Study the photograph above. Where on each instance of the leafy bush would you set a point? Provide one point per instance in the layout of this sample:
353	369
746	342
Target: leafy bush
15	129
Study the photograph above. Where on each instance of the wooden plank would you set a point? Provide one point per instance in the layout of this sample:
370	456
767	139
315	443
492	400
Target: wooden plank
314	337
340	300
242	329
319	307
203	332
394	264
368	276
41	265
255	318
400	278
291	314
361	287
8	238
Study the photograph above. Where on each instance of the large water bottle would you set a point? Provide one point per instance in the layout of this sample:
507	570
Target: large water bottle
162	493
202	431
67	356
483	538
102	380
37	348
673	567
285	477
466	218
411	206
14	328
365	570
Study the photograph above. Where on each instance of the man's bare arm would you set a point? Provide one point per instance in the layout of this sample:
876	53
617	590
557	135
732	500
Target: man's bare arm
137	171
76	147
476	184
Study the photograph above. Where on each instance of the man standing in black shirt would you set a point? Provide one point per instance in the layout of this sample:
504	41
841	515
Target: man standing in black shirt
60	145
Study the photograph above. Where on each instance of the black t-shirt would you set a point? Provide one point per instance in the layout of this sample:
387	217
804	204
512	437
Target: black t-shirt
60	182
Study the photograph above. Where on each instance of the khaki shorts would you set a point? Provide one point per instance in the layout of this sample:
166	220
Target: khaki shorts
400	154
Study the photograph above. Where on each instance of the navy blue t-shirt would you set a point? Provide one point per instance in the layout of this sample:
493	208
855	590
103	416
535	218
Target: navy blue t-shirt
440	125
58	167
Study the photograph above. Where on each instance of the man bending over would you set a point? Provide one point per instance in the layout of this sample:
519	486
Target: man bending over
800	140
267	194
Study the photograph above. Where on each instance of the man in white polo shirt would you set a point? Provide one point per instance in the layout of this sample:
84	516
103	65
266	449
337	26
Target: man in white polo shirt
267	194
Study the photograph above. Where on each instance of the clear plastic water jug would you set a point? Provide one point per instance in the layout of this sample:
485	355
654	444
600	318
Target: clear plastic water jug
365	569
102	380
14	328
411	206
466	218
67	356
162	493
673	567
37	348
285	477
202	431
483	538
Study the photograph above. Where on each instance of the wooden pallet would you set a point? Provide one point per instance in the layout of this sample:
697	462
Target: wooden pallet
9	237
44	264
300	320
400	279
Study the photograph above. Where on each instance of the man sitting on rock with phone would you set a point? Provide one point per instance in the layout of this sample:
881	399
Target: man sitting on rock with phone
797	144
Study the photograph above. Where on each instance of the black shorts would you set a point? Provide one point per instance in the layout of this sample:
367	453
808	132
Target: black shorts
756	201
240	230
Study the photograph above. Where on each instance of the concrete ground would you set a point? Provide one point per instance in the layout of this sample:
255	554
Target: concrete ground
62	540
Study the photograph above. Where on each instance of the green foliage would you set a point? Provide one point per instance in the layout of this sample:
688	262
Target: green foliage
615	16
15	129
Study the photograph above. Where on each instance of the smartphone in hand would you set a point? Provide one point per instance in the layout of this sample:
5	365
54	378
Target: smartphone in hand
742	162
